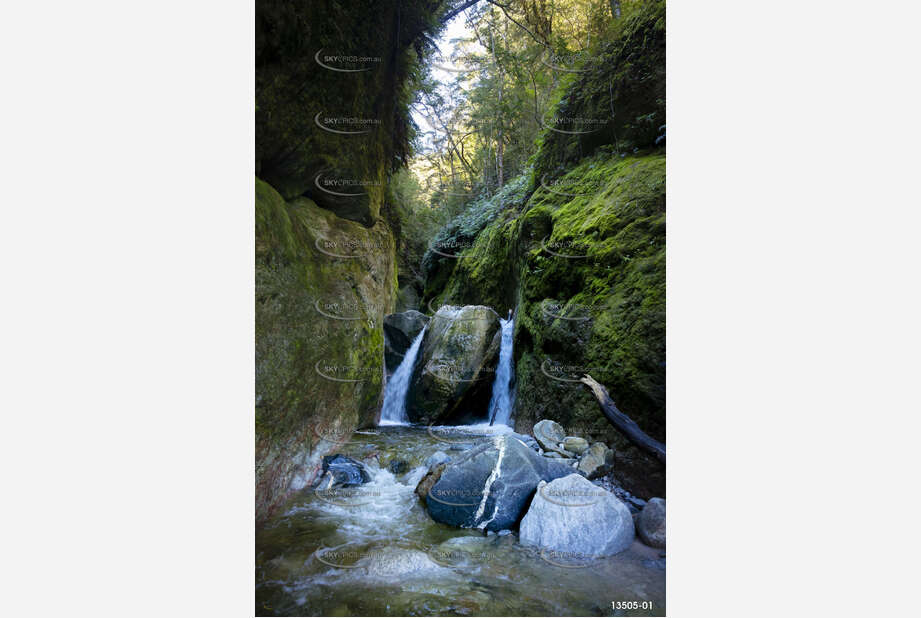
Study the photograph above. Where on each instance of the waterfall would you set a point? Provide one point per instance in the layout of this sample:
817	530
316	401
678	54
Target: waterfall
394	410
500	404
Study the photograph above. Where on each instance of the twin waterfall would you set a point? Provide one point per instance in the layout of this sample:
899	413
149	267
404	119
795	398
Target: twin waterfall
500	404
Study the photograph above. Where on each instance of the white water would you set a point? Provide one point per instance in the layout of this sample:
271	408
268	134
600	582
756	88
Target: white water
394	410
500	404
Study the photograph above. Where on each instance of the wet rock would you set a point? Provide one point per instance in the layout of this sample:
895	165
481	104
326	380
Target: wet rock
575	445
431	477
456	365
633	503
393	562
399	466
528	440
399	331
596	461
573	516
436	458
549	434
651	523
490	486
344	471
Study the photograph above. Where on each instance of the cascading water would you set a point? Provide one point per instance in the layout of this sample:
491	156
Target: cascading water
394	409
500	404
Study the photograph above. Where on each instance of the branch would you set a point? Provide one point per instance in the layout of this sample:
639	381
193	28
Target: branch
454	12
621	421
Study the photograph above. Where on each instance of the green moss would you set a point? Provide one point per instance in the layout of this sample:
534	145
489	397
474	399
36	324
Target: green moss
386	37
294	402
609	237
625	89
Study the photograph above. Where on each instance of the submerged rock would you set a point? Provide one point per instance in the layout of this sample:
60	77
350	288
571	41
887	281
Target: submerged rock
572	516
436	458
393	562
456	365
651	523
399	466
399	331
344	471
489	487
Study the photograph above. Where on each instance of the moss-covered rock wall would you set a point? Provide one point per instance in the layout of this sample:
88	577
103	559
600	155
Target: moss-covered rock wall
323	285
331	94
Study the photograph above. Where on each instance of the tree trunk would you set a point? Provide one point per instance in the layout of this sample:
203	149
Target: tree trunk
621	421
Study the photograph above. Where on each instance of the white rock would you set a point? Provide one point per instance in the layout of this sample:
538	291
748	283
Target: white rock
572	515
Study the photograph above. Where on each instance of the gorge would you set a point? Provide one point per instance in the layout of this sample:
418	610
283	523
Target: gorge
386	257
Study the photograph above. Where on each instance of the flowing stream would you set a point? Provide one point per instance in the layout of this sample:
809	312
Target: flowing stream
374	551
500	404
393	411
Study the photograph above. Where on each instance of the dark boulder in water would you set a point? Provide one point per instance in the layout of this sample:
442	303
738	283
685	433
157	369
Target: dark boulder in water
344	471
490	486
399	466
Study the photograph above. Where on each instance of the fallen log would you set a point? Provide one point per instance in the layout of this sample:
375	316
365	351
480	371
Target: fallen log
621	421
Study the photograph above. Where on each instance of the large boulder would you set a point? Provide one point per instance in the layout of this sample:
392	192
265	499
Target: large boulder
490	486
572	516
650	525
399	331
453	377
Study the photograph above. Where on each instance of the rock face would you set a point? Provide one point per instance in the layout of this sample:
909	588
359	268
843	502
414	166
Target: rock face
453	377
399	331
650	524
328	128
319	338
572	516
489	486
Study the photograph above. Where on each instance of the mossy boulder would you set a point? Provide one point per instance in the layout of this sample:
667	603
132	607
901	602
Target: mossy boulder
453	376
323	285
